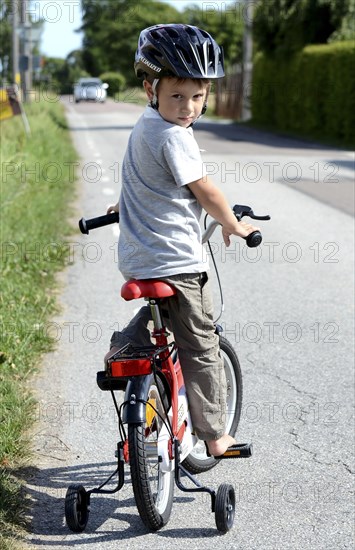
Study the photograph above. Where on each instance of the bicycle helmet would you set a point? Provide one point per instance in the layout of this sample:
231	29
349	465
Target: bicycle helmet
178	50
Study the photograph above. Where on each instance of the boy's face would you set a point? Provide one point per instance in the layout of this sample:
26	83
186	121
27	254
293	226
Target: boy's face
180	102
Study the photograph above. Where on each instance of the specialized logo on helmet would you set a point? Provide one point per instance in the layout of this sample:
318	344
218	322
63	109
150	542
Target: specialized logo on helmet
149	64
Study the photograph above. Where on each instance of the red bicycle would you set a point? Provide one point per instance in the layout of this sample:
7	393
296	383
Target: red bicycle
156	435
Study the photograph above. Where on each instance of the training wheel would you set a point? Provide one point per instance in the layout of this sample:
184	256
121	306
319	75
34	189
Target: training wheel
225	507
76	508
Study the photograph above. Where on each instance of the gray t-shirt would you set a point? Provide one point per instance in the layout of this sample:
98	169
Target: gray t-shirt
160	234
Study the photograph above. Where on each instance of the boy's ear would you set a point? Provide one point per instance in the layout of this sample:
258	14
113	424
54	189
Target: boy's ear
148	89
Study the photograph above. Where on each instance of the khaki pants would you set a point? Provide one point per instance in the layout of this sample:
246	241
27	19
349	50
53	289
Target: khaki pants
190	318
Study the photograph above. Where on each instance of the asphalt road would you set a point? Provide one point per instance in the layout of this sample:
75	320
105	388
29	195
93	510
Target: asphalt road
289	314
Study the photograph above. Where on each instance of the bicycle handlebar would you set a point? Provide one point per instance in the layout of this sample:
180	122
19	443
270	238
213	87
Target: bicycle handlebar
241	210
86	225
252	240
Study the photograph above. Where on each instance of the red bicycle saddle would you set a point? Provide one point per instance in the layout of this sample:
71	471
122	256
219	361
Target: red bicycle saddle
146	288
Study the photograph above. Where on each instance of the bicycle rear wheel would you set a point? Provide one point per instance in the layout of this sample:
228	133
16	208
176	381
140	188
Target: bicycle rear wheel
153	488
198	461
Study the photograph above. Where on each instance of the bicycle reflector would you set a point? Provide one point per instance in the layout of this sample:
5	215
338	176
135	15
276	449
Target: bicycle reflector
150	413
131	367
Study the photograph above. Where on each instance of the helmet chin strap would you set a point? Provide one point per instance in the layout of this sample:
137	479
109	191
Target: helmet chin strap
204	109
154	102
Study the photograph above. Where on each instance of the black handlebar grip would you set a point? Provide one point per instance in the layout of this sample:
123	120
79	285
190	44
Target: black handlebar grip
86	225
253	239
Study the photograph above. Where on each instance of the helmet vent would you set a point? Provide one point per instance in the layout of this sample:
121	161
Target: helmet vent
184	54
156	35
211	54
190	30
172	32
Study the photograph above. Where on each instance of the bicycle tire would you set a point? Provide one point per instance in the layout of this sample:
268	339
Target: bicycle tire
225	507
197	461
76	508
153	489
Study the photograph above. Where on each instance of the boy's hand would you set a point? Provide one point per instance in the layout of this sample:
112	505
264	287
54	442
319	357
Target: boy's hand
241	229
112	208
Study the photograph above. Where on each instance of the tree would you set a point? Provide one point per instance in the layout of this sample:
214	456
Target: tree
282	27
6	34
111	30
59	75
346	30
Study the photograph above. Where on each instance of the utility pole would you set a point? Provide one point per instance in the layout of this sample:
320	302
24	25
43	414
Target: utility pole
26	51
247	60
15	43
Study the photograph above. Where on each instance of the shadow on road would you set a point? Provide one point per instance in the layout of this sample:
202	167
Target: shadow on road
241	133
45	494
112	517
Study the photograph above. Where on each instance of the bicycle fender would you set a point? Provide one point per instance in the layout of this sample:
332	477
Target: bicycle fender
136	391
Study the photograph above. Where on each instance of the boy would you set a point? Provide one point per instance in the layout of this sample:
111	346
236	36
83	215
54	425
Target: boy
164	188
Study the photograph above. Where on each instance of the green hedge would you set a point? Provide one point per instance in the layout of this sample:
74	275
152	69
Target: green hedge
312	94
116	82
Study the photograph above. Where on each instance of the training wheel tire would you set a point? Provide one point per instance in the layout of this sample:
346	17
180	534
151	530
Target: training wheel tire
76	508
225	507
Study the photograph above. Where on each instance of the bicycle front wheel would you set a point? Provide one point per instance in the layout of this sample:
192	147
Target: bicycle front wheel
198	461
153	488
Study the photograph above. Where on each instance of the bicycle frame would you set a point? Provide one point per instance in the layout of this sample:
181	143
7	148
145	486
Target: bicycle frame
175	440
178	418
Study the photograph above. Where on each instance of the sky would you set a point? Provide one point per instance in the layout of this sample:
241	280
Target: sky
63	17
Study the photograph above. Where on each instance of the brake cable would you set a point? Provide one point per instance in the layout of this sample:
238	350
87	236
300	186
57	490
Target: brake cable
217	274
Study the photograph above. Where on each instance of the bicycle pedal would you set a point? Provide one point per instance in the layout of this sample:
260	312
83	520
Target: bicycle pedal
240	450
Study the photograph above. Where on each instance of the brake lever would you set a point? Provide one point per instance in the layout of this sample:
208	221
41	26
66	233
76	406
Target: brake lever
241	210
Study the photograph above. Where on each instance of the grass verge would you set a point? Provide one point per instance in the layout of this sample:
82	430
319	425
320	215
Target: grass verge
37	183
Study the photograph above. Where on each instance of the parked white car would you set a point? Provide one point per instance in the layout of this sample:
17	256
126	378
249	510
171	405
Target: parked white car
90	89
